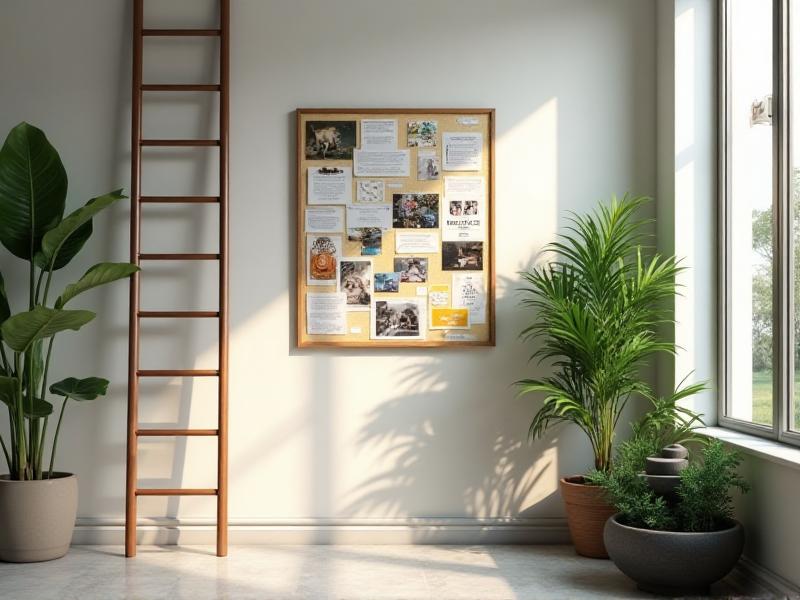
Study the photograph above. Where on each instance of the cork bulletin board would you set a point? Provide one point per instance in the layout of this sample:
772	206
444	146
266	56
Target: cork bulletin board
395	228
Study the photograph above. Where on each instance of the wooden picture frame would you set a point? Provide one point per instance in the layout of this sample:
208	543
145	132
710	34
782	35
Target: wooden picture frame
359	328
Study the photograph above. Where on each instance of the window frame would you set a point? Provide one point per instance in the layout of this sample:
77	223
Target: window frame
783	268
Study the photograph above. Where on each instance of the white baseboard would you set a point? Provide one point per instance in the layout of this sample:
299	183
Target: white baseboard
327	531
768	579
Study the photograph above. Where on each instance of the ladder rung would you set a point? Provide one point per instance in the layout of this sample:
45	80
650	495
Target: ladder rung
179	199
181	32
176	432
176	492
180	87
179	143
179	256
177	373
178	314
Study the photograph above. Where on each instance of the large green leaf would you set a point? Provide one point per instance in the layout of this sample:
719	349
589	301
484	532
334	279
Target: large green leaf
33	190
36	350
72	245
98	275
23	329
80	389
62	243
8	396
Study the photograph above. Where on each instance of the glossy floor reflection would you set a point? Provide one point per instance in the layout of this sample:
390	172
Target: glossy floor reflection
346	572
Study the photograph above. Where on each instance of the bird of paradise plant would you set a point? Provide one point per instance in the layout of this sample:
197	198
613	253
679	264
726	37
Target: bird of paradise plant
33	191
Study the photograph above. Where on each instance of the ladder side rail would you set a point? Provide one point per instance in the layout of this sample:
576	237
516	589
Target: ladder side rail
135	243
222	416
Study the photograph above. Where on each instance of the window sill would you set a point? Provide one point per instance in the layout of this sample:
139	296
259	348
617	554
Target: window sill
770	450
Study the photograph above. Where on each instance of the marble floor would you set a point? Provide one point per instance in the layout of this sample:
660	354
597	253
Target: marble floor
346	572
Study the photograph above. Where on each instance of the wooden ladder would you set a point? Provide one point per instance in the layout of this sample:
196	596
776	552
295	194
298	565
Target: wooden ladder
134	372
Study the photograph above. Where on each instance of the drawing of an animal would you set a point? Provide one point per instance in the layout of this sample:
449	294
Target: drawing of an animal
326	139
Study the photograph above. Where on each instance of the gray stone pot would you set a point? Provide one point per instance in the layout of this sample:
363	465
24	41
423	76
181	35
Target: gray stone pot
673	563
37	517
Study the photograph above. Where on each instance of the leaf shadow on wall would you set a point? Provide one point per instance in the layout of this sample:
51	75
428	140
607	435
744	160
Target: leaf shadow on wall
461	446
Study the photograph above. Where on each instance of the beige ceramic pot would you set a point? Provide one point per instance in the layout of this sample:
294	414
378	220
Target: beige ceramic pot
37	517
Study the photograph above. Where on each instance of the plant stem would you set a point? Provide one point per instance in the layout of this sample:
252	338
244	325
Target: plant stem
40	456
39	284
31	277
6	364
8	458
14	439
47	287
22	443
55	437
33	422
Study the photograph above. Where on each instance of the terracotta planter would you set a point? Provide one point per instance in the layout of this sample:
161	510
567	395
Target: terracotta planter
37	517
587	513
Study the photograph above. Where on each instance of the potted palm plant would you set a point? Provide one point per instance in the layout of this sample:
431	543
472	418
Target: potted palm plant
598	306
38	504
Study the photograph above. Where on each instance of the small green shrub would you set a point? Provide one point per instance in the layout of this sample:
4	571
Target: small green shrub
704	501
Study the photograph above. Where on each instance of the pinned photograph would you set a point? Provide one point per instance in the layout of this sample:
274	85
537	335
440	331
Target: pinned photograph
398	318
412	269
462	256
323	252
387	282
370	238
456	208
330	140
427	166
369	191
355	280
415	211
422	134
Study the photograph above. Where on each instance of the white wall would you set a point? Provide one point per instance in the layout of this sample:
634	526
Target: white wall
329	435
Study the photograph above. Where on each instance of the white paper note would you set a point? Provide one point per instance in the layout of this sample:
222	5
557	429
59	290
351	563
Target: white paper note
320	219
330	185
462	151
465	187
325	314
469	292
394	163
415	243
369	216
378	134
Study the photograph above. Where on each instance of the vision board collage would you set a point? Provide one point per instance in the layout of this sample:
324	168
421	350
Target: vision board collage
395	218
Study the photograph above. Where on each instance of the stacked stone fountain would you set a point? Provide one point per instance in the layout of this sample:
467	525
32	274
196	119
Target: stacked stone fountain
672	563
663	473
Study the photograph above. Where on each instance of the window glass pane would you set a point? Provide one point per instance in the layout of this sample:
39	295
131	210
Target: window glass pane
750	207
794	191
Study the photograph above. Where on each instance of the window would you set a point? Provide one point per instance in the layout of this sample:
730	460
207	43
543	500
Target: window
760	216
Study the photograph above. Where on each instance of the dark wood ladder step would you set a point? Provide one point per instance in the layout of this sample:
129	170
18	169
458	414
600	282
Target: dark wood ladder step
179	199
181	32
177	432
177	373
178	143
178	314
179	256
180	87
176	492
